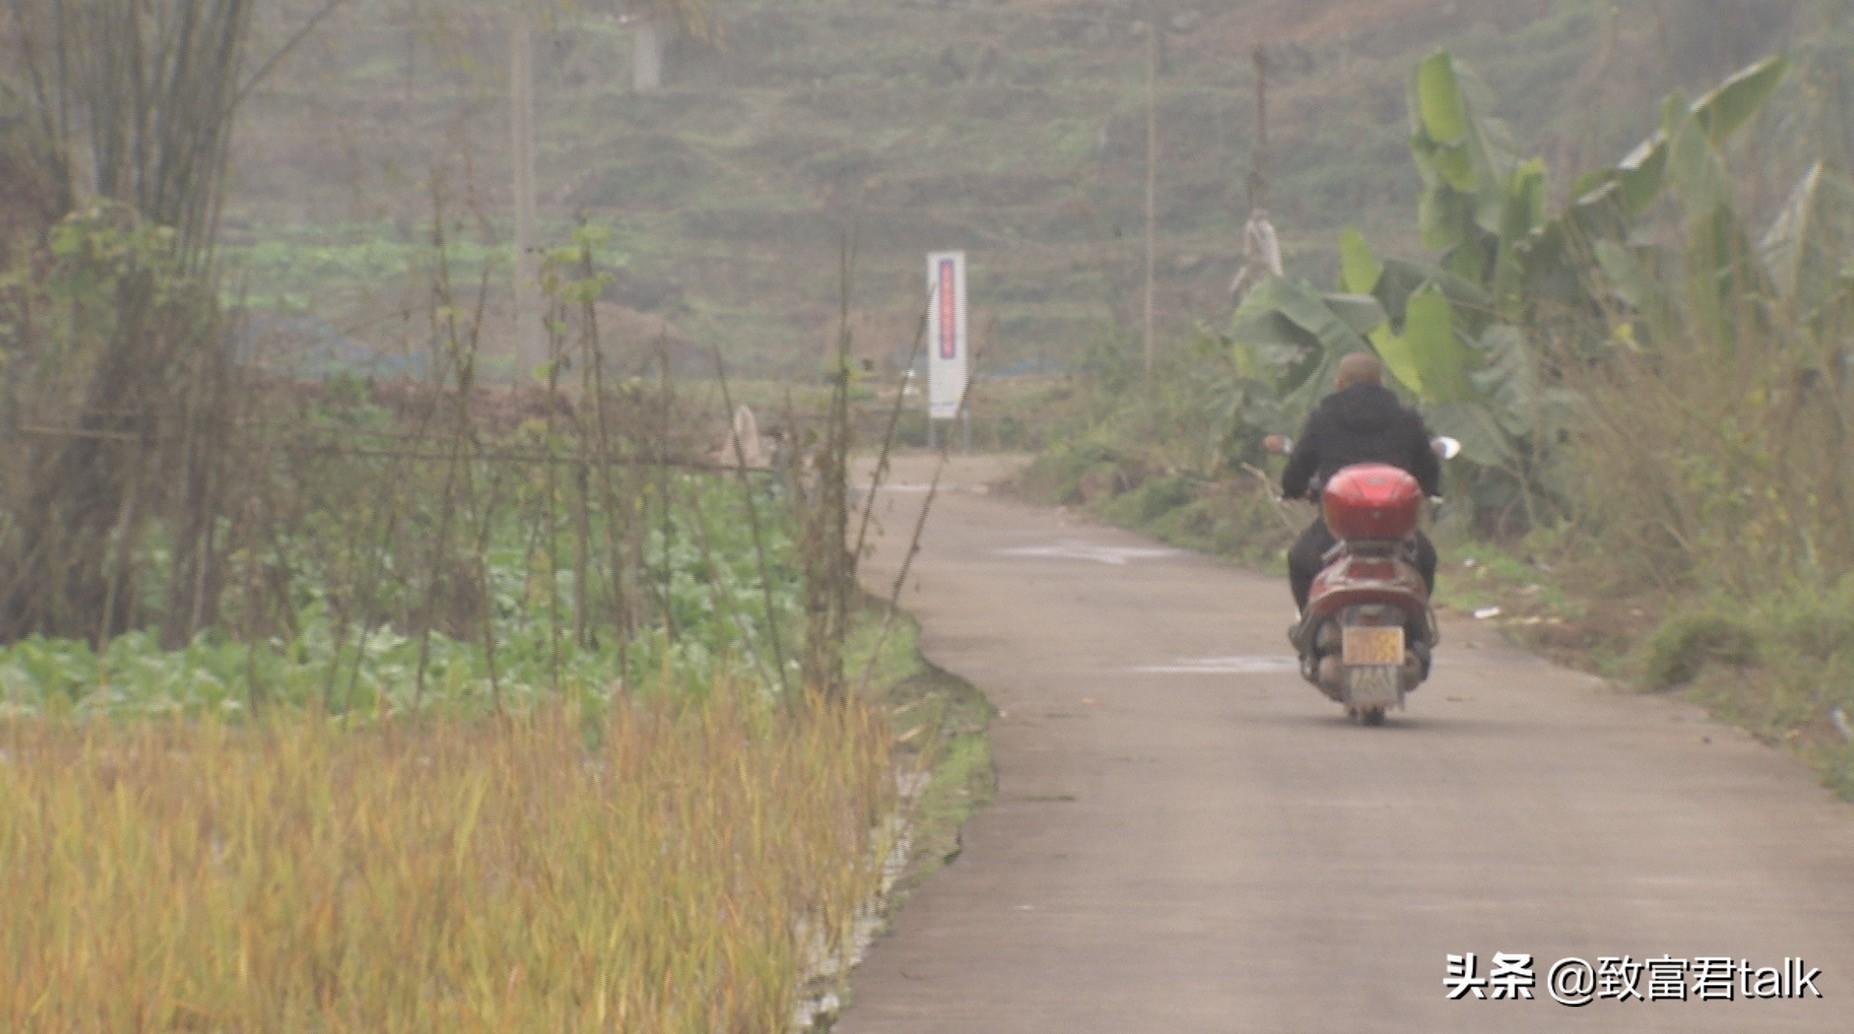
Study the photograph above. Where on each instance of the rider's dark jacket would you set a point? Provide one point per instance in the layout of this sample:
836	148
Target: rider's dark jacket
1362	424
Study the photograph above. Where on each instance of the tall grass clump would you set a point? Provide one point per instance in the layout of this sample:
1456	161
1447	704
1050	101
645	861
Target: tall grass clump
1720	464
457	875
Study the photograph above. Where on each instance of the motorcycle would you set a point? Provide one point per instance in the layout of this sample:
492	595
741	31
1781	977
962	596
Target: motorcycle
1368	631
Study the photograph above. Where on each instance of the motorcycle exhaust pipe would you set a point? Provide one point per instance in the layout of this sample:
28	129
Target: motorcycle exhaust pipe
1411	674
1328	639
1332	676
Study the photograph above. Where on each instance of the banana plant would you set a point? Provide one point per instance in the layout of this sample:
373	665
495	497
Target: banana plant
1684	155
1480	202
1476	377
1794	277
1449	331
1483	209
1291	337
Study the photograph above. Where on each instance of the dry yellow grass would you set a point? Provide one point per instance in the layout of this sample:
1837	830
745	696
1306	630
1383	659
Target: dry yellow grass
449	876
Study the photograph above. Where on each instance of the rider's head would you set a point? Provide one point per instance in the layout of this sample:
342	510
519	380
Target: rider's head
1358	368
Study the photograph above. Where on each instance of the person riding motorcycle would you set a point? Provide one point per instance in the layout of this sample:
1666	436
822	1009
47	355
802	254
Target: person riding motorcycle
1360	422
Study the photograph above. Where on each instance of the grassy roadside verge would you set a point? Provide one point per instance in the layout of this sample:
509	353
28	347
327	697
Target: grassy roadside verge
1780	666
940	723
941	761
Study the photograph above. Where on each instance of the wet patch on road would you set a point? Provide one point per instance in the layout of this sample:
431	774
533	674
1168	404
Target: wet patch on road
1116	556
922	488
1239	665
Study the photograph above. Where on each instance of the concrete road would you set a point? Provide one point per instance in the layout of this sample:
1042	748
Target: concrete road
1188	838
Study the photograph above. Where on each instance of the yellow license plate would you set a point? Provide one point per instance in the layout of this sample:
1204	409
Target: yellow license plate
1373	645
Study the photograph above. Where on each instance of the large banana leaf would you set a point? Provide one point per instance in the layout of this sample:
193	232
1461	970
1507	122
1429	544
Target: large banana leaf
1359	268
1695	168
1633	273
1509	379
1441	108
1466	163
1638	180
1429	335
1427	356
1361	313
1472	423
1734	102
1288	312
1360	272
1318	330
1402	278
1635	181
1445	221
1523	211
1725	283
1399	358
1806	248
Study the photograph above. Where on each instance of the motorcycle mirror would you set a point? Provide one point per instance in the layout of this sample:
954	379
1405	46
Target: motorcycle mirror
1445	447
1278	444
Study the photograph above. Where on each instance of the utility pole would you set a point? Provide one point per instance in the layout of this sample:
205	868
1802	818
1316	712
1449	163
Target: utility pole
527	345
647	44
1258	170
1261	247
1152	168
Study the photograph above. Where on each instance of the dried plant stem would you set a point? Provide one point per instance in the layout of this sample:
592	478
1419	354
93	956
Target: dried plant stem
552	503
666	525
889	430
914	541
617	520
759	538
464	362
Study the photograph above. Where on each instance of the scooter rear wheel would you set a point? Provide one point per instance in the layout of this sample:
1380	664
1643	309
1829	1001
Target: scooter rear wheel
1369	715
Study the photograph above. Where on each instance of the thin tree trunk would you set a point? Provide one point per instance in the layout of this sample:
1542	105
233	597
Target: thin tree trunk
1152	175
527	344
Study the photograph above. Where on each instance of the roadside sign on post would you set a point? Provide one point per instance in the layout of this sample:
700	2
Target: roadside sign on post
947	366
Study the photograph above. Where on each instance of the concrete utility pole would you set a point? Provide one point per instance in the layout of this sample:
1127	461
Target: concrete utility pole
1258	169
647	46
1261	247
1152	168
527	340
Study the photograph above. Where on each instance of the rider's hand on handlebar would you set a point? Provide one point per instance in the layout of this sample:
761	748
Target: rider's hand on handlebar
1311	495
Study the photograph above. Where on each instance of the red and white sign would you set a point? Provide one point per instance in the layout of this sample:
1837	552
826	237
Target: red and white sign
946	334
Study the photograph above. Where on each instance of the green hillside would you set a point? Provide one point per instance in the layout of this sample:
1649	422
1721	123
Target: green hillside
1012	128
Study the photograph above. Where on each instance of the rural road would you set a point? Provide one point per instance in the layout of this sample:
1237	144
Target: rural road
1187	838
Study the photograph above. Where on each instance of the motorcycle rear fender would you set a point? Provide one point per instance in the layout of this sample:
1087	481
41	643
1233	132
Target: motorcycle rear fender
1354	579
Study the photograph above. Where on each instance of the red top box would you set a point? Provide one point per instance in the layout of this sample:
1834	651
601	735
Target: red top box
1372	501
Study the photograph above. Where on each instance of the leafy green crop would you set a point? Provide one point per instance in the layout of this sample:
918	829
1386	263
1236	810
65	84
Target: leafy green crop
715	629
292	267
